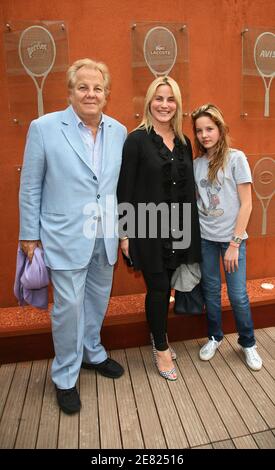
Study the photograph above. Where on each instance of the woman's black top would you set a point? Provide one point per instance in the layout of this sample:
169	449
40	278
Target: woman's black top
151	173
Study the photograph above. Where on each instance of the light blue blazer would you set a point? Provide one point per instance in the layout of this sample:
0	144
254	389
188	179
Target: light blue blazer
61	198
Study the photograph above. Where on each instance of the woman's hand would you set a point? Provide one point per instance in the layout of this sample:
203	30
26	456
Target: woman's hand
231	259
124	245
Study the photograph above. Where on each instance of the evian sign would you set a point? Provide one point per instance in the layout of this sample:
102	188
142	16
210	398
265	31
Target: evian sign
265	53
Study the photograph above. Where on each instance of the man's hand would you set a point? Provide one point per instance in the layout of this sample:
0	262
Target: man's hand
28	246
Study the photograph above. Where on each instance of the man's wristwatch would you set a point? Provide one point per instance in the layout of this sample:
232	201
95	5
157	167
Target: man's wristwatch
237	240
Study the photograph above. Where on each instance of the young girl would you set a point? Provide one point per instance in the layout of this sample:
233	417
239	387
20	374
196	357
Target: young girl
223	181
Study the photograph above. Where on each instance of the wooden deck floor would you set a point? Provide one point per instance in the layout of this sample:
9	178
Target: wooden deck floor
217	404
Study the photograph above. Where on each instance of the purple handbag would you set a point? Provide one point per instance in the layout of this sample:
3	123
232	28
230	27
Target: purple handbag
31	279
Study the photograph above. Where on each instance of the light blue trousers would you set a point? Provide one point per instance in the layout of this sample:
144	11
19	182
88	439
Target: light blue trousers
81	298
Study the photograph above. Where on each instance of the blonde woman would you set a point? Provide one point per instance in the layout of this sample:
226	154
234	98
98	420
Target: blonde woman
223	181
157	168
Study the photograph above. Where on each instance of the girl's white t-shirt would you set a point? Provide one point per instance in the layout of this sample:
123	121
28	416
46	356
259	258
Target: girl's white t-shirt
218	202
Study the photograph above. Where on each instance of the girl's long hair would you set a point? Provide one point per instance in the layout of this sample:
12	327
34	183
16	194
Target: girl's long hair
220	153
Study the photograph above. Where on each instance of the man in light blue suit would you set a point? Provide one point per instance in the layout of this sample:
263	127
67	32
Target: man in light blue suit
68	204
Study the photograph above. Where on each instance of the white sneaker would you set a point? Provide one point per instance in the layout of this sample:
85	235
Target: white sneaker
252	358
209	349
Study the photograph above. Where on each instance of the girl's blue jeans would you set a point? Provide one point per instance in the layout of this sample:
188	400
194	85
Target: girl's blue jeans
236	288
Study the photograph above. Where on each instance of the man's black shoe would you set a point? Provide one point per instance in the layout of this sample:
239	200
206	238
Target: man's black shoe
68	400
108	368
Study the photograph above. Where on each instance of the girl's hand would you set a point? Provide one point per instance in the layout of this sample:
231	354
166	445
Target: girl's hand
231	259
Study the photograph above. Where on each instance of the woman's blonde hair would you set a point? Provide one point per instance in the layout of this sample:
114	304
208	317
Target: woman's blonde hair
176	121
92	64
219	157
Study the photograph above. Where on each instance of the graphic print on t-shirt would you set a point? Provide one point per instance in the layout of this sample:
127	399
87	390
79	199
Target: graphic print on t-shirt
212	190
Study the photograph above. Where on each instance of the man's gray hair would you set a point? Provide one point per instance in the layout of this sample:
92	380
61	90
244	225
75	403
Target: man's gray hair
100	66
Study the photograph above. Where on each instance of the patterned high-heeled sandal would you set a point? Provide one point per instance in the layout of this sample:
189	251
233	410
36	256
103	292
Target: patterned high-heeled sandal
172	351
166	374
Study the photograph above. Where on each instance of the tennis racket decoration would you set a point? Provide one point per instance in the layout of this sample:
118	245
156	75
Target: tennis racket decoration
264	185
264	58
160	50
37	54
